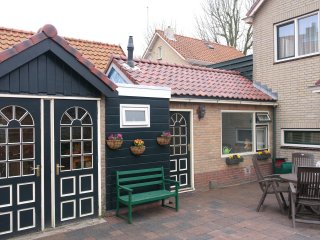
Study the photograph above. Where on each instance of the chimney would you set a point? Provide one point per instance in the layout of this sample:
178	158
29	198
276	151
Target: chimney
130	48
169	33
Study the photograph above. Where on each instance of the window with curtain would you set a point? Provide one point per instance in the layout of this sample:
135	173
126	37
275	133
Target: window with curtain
298	37
286	41
308	41
296	137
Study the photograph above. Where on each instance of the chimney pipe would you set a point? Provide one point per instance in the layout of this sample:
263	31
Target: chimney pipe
130	48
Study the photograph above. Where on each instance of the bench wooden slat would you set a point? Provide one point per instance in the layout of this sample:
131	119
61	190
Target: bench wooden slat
129	172
147	196
143	184
138	178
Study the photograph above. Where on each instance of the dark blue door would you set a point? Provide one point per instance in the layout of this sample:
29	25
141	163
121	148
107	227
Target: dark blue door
76	162
20	170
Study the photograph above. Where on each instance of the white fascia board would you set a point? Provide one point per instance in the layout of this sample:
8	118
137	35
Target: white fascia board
132	90
150	46
255	9
183	58
195	100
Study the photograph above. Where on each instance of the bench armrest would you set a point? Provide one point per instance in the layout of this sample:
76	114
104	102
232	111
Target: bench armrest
129	190
176	183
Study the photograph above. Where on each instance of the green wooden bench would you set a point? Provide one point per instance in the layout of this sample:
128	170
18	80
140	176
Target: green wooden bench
141	186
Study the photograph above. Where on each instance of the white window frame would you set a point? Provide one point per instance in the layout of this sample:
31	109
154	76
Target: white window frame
134	124
296	35
254	126
283	144
265	126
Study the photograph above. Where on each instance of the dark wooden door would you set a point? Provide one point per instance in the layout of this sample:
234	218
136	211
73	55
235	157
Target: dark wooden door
20	157
76	162
180	166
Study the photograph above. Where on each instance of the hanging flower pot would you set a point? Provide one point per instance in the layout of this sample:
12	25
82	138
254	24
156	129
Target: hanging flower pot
137	150
165	138
138	147
114	141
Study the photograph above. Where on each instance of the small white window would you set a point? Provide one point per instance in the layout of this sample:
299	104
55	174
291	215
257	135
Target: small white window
261	137
263	117
133	115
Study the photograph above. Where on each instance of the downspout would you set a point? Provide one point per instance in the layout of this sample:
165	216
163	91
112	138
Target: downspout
274	138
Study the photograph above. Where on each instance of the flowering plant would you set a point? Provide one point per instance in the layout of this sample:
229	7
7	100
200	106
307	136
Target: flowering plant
235	156
166	134
234	159
263	155
138	142
115	136
265	152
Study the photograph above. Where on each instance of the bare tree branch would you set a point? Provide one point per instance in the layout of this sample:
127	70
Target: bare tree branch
221	22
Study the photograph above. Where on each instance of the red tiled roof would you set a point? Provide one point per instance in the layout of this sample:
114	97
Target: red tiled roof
192	81
98	53
196	49
49	31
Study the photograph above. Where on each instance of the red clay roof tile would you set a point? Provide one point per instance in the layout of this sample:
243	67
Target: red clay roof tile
97	52
192	81
199	50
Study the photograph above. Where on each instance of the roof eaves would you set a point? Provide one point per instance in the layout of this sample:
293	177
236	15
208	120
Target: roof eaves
150	45
254	8
175	50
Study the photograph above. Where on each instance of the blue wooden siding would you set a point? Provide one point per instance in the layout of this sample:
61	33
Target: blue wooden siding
46	75
122	159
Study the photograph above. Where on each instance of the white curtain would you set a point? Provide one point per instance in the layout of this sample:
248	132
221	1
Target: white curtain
308	35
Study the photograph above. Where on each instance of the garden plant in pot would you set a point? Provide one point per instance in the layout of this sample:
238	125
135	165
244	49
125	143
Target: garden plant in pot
234	159
263	155
138	147
164	138
114	141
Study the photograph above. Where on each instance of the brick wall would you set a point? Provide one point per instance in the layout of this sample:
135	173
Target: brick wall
298	106
209	166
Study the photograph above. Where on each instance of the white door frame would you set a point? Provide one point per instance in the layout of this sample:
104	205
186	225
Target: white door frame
191	142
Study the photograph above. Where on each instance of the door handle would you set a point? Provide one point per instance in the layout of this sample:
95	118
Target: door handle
58	168
37	169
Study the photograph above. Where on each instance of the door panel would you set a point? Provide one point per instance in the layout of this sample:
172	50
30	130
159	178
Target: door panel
20	155
180	167
76	162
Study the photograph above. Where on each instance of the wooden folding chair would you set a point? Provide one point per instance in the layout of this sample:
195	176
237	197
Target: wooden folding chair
306	194
270	184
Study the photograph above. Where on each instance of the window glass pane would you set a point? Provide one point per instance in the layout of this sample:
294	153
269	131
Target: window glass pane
2	136
27	167
87	132
65	133
87	147
27	120
27	151
65	161
27	134
3	153
76	148
76	164
86	119
135	115
3	170
19	112
237	132
285	41
3	121
14	169
87	161
115	77
14	152
76	133
8	112
72	113
81	112
65	119
302	137
261	137
65	148
14	135
308	35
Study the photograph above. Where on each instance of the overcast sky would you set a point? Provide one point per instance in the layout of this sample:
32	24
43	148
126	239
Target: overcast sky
102	20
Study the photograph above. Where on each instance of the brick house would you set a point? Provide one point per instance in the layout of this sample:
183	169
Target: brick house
287	59
170	47
210	110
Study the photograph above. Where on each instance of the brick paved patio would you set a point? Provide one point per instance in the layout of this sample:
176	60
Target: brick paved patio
227	213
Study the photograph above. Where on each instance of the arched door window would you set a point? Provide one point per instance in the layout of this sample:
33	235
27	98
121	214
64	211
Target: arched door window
17	143
76	139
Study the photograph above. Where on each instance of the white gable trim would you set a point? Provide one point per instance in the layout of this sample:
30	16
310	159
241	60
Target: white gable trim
152	42
253	11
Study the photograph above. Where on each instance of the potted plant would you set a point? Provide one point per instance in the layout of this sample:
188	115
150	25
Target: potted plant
138	147
114	140
234	159
164	138
263	155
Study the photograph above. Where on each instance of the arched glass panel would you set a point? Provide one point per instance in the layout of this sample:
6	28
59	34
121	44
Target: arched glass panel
76	139
17	144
